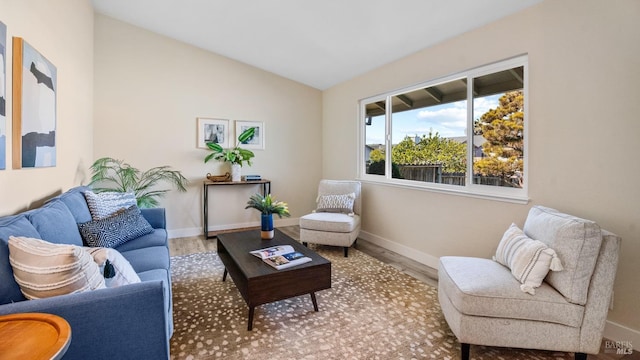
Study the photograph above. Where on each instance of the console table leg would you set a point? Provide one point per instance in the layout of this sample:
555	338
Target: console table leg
314	301
224	276
250	325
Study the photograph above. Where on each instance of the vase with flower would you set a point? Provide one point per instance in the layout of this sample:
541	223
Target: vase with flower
267	206
235	156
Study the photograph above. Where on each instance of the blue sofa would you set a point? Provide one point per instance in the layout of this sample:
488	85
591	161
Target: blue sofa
133	321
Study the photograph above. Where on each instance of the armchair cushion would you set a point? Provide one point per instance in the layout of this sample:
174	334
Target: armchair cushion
482	287
331	222
529	260
576	241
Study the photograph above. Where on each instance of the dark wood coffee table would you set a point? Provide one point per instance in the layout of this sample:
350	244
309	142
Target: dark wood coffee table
258	282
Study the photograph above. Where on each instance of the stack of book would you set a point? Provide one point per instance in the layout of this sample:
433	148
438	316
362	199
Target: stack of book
251	178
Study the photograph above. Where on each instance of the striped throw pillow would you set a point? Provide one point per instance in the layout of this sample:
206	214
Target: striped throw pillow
529	260
43	269
105	204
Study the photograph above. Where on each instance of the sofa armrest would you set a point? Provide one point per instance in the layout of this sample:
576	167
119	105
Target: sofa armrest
127	322
156	217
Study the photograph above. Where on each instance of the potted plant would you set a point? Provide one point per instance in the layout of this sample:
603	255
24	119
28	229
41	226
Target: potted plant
116	175
236	156
267	206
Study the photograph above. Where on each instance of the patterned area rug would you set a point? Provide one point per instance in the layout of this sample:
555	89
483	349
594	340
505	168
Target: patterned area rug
372	311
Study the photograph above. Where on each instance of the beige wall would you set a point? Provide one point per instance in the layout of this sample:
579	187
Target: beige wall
66	40
150	89
583	126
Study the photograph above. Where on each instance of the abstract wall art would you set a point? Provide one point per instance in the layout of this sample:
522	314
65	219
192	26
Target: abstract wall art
3	97
34	107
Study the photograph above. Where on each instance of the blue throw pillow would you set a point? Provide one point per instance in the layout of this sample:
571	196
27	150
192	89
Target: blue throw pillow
116	229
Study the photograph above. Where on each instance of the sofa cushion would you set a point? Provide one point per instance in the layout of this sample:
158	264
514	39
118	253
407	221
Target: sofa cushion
105	204
43	269
482	287
55	223
117	271
76	203
116	229
17	225
529	260
156	238
336	203
156	257
333	222
576	241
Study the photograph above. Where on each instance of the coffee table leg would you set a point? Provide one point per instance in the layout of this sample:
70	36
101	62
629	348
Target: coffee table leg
250	325
224	276
314	301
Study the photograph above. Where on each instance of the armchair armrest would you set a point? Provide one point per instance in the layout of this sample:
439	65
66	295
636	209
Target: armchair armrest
127	322
156	217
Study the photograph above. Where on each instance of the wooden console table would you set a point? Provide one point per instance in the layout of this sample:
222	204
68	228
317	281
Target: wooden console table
33	336
266	189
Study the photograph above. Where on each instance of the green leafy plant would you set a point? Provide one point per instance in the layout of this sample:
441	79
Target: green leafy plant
116	175
235	155
268	205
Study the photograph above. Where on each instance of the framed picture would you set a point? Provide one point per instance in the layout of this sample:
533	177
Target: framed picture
3	97
213	131
34	107
257	141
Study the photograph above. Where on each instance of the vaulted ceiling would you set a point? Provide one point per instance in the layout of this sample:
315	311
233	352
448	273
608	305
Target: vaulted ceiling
319	43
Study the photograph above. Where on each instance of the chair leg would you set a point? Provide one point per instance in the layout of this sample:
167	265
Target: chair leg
464	351
346	251
581	356
305	244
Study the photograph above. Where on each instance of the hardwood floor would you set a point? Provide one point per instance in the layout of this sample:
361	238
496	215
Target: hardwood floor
196	244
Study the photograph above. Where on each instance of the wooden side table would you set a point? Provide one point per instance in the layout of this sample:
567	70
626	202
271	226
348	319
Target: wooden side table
33	336
266	188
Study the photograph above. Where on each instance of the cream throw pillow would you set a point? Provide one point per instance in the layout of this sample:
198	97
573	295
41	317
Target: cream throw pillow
336	203
43	269
529	260
123	272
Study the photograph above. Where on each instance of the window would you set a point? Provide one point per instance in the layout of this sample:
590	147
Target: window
464	133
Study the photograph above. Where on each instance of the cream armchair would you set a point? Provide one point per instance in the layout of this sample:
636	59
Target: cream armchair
336	221
484	304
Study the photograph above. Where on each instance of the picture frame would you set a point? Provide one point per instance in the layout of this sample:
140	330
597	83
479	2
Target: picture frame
34	107
212	130
3	96
258	140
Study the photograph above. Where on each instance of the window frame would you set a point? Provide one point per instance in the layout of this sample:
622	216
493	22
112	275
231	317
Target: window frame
516	195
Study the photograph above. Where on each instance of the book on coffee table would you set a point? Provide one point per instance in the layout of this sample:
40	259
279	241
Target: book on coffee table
281	256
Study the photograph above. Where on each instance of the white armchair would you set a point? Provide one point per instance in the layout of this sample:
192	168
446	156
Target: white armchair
336	221
484	303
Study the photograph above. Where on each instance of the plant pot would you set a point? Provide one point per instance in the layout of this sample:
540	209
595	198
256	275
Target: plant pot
236	172
267	231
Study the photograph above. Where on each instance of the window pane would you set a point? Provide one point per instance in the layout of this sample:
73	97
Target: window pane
429	127
498	143
374	148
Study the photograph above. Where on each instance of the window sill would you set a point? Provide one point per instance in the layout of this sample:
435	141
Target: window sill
503	196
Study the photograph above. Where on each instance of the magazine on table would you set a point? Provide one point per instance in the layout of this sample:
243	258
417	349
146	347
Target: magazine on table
281	256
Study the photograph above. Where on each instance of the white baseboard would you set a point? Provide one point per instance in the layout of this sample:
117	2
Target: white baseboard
186	232
616	332
403	250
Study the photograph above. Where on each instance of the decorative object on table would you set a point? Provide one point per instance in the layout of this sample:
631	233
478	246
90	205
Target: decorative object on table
267	206
116	175
219	178
34	124
255	142
236	156
251	178
213	131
